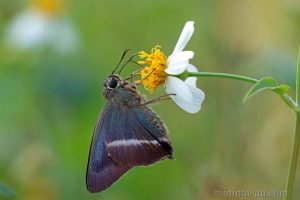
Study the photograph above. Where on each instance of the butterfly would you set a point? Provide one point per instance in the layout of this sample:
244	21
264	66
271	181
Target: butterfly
128	134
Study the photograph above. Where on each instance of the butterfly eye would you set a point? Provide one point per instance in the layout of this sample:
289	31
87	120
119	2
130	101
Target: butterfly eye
112	83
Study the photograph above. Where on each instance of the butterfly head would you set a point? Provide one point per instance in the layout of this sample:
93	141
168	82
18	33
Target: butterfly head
113	81
115	86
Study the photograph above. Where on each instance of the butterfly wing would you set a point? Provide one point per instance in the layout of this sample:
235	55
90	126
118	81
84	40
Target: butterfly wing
139	137
102	170
124	137
154	126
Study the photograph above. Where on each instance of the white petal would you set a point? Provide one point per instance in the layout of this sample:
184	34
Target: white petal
179	88
198	98
178	62
183	55
192	68
191	106
177	68
191	80
185	36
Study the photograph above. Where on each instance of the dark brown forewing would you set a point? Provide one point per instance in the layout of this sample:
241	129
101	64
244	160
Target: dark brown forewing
134	140
102	170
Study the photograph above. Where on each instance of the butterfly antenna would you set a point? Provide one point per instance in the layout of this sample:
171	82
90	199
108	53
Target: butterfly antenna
124	53
129	60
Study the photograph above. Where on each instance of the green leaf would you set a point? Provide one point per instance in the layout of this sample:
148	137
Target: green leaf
6	191
281	89
266	83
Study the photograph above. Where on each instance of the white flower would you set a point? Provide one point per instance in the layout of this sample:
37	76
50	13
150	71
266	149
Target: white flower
33	29
159	69
188	96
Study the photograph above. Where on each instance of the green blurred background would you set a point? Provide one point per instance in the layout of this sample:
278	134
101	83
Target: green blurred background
50	101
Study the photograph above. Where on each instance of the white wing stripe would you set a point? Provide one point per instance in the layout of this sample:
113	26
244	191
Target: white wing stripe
130	142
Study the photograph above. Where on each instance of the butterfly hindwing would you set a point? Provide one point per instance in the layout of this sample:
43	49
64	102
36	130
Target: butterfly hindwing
154	126
135	142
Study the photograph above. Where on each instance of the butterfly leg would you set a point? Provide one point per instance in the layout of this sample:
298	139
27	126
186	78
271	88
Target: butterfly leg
133	74
137	83
163	97
132	85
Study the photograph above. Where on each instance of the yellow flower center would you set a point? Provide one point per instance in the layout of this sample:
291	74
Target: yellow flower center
153	74
48	6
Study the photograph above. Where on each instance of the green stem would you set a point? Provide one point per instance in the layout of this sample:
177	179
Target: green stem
298	80
289	102
223	75
286	98
296	145
294	161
